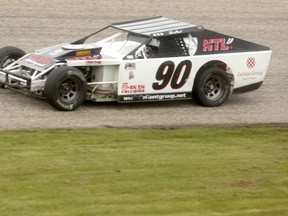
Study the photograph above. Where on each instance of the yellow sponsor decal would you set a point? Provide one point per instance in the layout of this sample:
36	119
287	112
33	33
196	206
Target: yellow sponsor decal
83	53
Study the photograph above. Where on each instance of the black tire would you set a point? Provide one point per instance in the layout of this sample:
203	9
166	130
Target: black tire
10	54
211	87
65	88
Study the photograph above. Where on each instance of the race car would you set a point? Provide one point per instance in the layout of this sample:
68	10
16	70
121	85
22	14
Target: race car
153	59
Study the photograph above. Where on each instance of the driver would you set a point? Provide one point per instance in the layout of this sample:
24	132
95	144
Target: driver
152	48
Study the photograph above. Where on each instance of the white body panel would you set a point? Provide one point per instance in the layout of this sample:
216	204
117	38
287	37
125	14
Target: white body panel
247	68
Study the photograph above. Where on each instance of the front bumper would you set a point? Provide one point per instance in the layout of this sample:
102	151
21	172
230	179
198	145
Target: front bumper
15	80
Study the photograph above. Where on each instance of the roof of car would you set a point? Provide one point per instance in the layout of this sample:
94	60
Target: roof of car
157	26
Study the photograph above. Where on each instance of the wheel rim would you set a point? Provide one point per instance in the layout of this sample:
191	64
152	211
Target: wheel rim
69	89
214	87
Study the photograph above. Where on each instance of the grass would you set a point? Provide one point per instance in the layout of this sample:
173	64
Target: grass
195	172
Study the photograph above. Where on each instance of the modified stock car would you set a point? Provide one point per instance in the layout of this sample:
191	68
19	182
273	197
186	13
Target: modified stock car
153	59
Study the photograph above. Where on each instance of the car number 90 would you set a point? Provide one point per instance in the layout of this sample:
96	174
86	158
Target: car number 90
167	73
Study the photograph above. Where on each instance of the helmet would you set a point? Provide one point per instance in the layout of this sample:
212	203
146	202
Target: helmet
154	42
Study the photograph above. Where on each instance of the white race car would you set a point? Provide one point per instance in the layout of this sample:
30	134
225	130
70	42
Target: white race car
153	59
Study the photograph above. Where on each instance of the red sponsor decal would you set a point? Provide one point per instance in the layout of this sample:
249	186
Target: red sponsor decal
251	62
85	58
94	62
126	88
217	44
40	59
130	66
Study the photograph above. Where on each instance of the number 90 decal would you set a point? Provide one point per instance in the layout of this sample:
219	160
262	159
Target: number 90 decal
166	74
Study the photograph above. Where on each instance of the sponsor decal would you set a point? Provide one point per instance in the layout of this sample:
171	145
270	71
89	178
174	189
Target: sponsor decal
85	58
128	89
164	97
36	61
94	62
217	44
250	75
39	59
175	32
131	75
251	62
130	66
155	97
83	53
158	34
79	58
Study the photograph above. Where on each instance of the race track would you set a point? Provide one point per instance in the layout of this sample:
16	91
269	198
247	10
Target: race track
33	24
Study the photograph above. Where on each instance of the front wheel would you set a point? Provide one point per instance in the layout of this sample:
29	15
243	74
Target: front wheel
10	54
65	88
211	87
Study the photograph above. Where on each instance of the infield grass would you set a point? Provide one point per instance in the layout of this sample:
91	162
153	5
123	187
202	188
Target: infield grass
195	172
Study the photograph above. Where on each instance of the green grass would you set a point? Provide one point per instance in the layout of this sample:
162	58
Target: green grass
195	172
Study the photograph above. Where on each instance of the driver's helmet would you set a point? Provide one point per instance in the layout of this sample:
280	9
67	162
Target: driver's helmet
154	42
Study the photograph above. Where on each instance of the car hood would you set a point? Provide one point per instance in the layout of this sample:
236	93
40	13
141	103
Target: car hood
44	58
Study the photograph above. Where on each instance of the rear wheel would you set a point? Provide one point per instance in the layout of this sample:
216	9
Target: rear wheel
65	88
211	87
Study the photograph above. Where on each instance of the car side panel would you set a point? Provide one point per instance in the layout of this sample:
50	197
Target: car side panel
173	78
155	79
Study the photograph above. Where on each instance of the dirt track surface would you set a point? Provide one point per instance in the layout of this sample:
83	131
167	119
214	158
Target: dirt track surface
33	24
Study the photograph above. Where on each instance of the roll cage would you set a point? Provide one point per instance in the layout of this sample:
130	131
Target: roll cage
172	34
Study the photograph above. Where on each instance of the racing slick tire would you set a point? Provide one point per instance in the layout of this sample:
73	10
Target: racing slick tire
211	87
65	88
8	55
